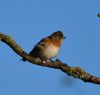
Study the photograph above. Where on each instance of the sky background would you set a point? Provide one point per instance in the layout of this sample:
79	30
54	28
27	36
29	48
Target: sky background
27	21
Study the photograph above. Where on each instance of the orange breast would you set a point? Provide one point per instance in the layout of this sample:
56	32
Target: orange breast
56	42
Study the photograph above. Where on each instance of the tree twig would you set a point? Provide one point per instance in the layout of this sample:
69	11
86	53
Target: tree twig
76	72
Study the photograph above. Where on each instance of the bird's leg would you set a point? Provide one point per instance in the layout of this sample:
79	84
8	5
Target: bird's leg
45	60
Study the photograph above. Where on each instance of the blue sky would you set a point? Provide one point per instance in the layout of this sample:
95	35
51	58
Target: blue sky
27	21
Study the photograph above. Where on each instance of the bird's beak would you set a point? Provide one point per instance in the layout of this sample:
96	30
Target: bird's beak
64	37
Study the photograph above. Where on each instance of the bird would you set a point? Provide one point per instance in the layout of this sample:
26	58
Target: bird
48	47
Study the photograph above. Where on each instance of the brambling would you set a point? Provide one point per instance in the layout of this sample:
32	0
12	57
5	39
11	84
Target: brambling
48	47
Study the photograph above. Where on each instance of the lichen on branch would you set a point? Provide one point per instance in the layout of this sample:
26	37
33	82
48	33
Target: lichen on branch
76	72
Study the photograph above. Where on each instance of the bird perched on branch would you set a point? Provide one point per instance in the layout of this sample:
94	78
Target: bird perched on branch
48	47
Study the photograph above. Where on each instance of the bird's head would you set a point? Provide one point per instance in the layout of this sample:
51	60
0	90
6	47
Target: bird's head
57	35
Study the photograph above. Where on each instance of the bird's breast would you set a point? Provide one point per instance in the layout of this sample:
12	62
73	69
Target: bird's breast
51	51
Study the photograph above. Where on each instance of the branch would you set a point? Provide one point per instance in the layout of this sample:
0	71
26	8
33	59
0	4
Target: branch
76	72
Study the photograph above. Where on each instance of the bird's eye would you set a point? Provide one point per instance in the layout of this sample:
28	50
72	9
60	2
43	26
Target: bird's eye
61	36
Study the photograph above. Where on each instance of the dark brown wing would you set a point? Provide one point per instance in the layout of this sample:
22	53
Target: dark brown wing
37	51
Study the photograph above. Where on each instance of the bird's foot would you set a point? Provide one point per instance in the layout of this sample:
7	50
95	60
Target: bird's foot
46	61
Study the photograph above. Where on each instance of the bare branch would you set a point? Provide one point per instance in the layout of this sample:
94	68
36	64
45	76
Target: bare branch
76	72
